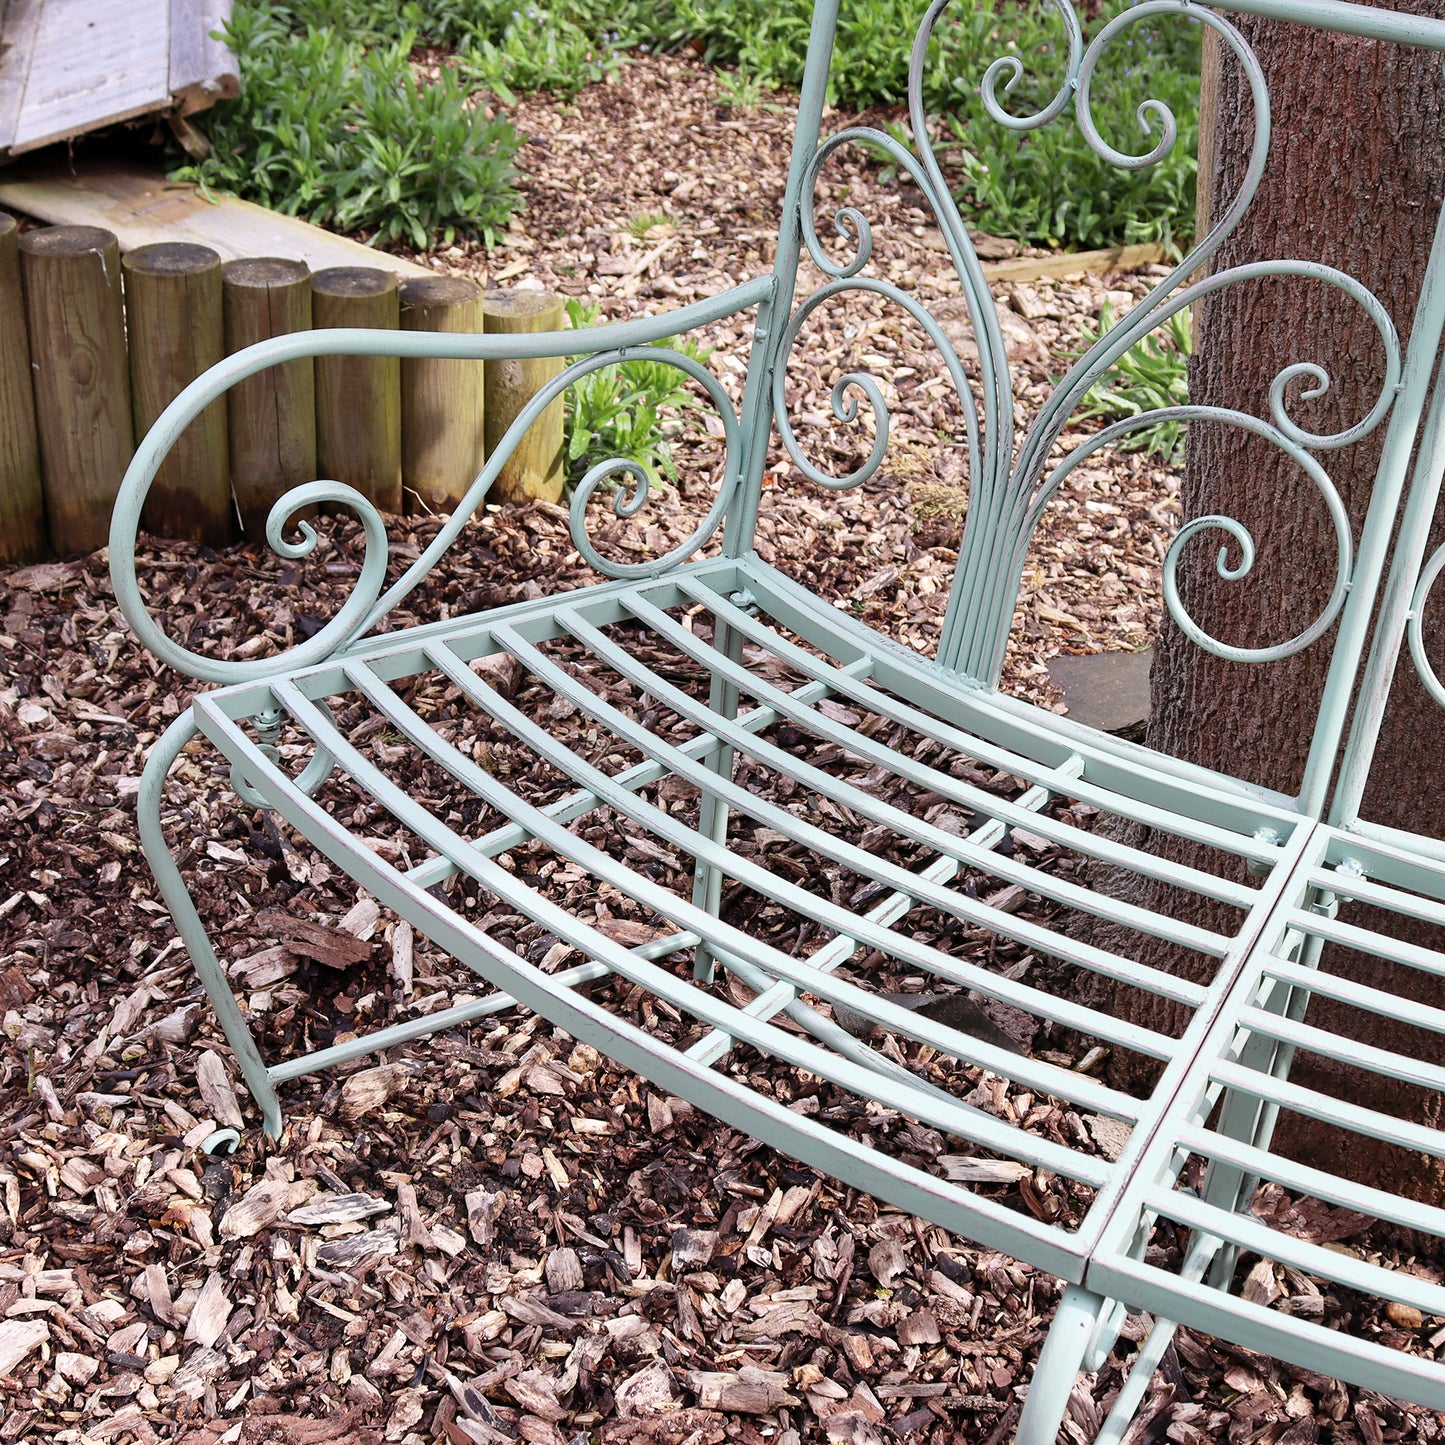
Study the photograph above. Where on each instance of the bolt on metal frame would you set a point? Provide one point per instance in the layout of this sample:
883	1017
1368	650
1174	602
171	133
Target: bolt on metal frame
765	681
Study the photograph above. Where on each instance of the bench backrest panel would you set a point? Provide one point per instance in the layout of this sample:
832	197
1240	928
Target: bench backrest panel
1013	473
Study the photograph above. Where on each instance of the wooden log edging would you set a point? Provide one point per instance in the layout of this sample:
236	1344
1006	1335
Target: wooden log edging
443	435
175	331
535	470
75	389
271	416
358	398
24	536
80	376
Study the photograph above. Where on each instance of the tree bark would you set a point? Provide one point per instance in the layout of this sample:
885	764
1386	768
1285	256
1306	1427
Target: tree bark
1354	180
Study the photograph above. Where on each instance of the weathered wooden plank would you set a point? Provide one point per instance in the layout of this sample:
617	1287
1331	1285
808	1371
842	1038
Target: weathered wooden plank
141	207
443	441
79	376
1067	263
203	69
18	22
271	417
94	61
174	327
68	66
358	398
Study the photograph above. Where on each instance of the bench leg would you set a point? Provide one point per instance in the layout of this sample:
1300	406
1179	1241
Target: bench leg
1151	1353
1252	1120
1136	1383
1074	1331
188	922
713	814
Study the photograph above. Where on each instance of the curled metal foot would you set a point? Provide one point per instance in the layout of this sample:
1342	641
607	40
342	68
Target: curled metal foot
223	1141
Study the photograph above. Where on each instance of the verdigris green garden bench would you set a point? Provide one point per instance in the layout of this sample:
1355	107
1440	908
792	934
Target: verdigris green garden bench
777	718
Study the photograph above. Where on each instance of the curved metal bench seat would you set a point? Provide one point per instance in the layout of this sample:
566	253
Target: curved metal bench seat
815	917
1292	1016
856	901
812	919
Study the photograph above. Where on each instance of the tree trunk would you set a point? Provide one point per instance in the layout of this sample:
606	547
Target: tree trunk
1354	180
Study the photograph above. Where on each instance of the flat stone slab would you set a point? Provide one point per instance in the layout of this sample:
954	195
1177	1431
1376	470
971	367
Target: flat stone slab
1106	690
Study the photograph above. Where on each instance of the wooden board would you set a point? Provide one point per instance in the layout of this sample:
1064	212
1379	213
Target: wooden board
203	69
70	66
1069	263
142	207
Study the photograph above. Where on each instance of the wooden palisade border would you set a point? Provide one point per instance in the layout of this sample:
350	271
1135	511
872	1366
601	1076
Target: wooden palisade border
76	321
81	374
272	415
173	314
536	467
23	535
358	398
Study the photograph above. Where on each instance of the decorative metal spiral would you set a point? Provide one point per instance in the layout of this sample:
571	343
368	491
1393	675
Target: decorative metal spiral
628	504
1013	67
1232	528
1009	491
1414	624
367	604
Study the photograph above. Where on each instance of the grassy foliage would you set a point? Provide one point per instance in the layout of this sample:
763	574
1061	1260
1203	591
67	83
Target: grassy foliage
1043	186
334	125
1152	374
1047	186
539	51
628	410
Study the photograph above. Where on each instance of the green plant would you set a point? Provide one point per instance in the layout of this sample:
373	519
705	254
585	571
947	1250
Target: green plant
640	224
409	161
1048	186
629	410
1152	374
1039	186
540	50
343	132
741	90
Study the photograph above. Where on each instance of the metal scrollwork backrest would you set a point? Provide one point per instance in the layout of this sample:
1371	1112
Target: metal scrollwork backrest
1012	478
370	600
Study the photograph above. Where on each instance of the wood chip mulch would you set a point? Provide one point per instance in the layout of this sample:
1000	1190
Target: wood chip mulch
497	1235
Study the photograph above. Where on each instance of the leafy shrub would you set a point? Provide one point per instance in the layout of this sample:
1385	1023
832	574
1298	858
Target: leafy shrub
345	134
741	90
628	410
1152	374
540	50
332	123
1043	186
1047	185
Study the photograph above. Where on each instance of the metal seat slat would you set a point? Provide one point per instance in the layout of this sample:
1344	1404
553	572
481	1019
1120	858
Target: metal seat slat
1311	1259
799	972
964	1121
1316	1183
971	911
1352	1051
1036	880
928	725
1328	1109
843	1156
566	810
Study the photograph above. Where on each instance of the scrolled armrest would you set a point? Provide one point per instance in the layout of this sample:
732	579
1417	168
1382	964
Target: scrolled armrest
367	605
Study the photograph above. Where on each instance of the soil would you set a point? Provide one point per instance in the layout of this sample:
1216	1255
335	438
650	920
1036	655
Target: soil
496	1234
